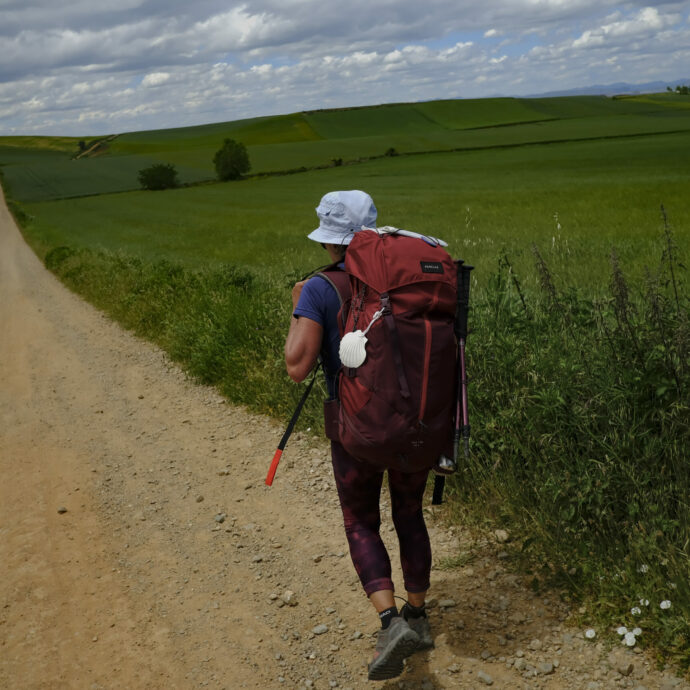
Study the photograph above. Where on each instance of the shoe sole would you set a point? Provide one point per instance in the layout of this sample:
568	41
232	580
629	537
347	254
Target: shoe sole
390	665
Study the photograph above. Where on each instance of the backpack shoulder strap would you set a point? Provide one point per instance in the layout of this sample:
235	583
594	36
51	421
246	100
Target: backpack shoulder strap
339	281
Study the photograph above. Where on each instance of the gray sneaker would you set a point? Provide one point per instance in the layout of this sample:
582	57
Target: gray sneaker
421	627
395	643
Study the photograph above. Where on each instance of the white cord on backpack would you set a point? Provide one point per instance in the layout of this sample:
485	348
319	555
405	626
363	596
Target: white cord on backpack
390	230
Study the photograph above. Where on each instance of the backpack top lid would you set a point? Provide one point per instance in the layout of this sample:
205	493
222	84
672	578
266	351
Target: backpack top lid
387	258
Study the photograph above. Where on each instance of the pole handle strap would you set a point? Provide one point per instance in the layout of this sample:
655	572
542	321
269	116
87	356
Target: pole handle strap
439	484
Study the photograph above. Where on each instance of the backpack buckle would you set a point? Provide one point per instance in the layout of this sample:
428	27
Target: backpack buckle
385	303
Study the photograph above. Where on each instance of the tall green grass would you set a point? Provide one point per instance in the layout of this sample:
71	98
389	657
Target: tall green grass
581	426
225	324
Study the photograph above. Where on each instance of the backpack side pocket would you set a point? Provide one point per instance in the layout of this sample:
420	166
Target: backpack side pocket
331	419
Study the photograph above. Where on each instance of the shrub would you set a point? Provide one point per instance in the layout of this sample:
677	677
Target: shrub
580	414
231	160
159	176
20	215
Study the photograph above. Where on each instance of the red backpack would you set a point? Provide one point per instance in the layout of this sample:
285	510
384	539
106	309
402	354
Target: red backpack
396	409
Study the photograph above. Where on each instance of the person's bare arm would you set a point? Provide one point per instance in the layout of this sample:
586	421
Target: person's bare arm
303	342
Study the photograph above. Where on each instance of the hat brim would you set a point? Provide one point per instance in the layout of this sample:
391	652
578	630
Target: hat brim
325	236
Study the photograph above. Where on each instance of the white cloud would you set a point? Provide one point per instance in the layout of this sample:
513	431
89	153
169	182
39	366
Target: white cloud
236	29
225	60
647	22
155	79
262	70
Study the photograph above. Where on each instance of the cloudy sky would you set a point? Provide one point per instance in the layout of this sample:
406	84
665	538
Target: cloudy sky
69	68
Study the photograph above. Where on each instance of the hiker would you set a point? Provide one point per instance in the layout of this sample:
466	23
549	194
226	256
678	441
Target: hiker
314	333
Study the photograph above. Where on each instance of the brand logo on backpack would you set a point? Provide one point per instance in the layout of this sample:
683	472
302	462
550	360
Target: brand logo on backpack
431	266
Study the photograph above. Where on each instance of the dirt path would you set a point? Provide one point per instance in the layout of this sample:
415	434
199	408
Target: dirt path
140	548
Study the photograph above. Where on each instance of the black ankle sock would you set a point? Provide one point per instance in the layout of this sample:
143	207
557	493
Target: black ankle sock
387	616
415	611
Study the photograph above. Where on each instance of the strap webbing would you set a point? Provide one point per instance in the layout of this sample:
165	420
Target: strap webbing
395	345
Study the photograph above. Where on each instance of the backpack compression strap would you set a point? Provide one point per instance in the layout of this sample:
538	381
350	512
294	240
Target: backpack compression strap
395	345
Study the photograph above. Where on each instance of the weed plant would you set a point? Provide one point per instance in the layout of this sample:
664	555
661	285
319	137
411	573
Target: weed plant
581	428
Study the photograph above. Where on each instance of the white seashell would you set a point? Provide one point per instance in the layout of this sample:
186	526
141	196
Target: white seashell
352	349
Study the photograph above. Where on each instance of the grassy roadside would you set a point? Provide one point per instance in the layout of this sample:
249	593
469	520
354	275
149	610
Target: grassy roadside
579	411
581	426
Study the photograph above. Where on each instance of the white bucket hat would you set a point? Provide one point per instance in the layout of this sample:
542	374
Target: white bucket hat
341	214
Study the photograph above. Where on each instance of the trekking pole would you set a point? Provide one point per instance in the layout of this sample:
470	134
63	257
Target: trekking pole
464	309
295	416
461	407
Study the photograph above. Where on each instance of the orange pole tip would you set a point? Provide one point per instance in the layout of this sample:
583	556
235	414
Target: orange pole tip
274	466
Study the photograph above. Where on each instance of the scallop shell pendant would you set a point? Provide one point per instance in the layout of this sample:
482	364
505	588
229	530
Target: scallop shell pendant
352	349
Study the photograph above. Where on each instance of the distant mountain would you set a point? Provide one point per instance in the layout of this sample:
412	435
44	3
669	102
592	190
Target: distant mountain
613	89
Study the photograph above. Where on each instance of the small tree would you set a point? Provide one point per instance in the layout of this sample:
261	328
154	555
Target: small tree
158	176
231	160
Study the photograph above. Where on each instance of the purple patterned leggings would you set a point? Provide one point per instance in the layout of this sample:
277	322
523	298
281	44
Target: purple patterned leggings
359	490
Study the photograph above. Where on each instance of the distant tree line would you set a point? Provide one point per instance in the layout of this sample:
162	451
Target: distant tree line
158	176
680	89
231	161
